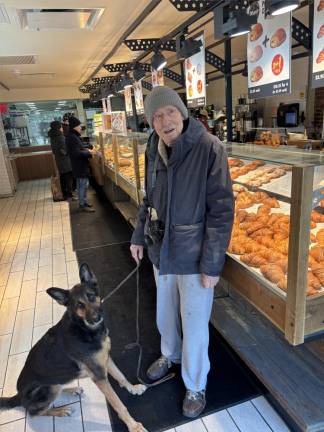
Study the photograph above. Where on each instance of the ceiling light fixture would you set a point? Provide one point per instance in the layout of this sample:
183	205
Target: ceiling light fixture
234	18
126	81
138	72
279	7
187	47
158	61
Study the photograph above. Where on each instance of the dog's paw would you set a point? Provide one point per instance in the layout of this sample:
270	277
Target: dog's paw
137	389
137	427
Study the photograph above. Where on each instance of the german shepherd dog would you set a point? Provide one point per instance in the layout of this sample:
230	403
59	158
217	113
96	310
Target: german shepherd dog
77	346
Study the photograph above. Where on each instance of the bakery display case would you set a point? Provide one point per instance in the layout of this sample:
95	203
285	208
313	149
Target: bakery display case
276	254
124	158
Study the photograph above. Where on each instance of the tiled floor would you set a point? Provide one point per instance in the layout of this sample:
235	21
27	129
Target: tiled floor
36	253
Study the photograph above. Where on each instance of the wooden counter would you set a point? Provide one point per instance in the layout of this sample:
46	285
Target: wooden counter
33	165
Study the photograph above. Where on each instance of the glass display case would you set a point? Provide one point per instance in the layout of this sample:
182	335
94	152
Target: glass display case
276	254
124	160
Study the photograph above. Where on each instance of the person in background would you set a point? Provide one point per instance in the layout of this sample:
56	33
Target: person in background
185	221
144	126
203	117
62	158
79	156
65	123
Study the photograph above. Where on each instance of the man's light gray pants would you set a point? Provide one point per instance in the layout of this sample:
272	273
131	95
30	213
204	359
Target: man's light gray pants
183	304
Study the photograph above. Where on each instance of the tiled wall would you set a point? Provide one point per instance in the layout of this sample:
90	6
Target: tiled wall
6	177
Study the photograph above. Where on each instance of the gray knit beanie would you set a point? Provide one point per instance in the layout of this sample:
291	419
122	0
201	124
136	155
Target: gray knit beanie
162	96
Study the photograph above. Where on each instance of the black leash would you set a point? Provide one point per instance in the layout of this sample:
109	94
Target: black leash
136	343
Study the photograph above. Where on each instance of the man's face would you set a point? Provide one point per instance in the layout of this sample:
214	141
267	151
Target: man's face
168	123
78	129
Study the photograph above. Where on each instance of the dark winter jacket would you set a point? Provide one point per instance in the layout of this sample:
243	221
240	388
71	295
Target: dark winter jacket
78	154
59	150
193	197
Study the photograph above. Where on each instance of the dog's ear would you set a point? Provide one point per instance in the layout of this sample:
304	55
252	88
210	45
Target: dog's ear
87	276
62	296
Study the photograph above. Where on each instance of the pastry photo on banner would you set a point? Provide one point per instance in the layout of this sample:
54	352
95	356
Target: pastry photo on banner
269	55
195	76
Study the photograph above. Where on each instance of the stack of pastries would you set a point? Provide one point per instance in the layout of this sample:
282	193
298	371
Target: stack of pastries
261	238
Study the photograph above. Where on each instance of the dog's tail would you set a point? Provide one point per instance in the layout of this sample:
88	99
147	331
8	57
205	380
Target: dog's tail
9	402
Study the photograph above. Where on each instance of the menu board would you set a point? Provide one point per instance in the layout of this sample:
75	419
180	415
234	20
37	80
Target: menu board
97	123
157	78
318	44
269	55
195	77
118	122
128	100
138	94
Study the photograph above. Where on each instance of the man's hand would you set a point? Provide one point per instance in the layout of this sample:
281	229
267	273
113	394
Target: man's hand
209	281
137	252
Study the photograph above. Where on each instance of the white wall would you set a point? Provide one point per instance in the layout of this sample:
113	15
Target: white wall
41	94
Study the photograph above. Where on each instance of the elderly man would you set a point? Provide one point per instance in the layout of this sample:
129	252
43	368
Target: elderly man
185	220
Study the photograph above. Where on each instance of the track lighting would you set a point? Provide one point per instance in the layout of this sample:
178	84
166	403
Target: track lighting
233	19
125	81
279	7
187	47
158	61
138	72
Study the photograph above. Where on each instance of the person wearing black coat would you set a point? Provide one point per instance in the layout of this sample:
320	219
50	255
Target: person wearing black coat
79	156
62	158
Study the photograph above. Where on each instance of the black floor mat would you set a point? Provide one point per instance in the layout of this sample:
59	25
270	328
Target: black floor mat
229	381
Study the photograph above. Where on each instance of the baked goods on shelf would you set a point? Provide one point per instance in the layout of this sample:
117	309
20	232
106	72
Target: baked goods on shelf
261	239
235	163
268	138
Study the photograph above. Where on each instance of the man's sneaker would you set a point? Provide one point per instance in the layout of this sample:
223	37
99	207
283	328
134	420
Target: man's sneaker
87	209
159	368
194	403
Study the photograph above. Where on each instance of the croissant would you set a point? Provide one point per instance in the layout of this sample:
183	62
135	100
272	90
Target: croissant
235	162
280	235
251	217
254	227
241	215
317	252
236	248
266	241
272	272
271	202
313	281
312	238
317	217
283	264
282	284
320	237
253	259
312	225
311	261
311	291
263	210
282	247
252	246
260	197
271	255
275	217
318	271
262	232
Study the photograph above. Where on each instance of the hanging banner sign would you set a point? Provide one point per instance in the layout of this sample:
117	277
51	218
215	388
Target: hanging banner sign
138	94
128	101
118	122
157	78
269	55
195	77
318	45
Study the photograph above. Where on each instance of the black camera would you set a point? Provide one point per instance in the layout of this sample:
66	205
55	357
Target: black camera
154	232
